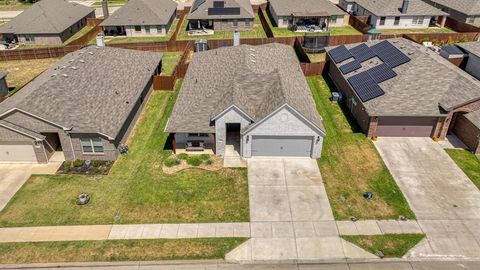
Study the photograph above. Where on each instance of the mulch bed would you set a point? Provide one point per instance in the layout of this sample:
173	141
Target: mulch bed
215	166
96	167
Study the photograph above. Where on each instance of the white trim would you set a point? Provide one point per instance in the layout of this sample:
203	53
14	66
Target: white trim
228	109
93	147
45	152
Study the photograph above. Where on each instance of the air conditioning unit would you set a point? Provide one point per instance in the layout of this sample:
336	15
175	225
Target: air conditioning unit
336	97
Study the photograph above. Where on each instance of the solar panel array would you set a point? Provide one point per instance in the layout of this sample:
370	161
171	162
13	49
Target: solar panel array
350	66
389	54
365	86
224	11
340	54
362	52
381	73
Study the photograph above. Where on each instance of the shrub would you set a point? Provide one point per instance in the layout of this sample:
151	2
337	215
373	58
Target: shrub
425	39
209	162
204	157
67	166
194	160
182	156
171	161
78	163
96	163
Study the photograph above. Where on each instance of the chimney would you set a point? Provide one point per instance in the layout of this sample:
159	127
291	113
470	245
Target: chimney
405	6
105	9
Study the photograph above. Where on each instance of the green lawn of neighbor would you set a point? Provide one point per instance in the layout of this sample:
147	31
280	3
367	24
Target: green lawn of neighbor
351	165
123	39
468	162
170	61
136	189
117	250
13	5
256	32
391	245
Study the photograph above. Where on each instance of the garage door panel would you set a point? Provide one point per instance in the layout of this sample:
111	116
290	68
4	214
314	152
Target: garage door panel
17	153
286	146
406	127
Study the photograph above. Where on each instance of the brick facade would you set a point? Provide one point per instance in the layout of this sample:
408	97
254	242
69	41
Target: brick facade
467	132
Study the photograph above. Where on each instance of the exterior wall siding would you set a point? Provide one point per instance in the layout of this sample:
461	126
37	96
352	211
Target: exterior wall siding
468	133
181	140
110	151
405	21
283	123
231	116
473	65
228	25
130	31
283	21
8	136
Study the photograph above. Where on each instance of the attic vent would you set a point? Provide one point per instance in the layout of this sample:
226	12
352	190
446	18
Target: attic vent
253	61
252	55
91	53
53	75
116	93
82	61
65	75
74	68
252	49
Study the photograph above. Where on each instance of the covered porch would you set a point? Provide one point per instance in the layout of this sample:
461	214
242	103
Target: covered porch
193	143
114	31
200	27
310	22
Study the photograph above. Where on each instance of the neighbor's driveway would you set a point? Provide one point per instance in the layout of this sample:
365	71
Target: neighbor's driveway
445	201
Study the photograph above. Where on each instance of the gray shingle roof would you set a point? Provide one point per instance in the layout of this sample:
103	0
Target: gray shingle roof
392	8
472	47
287	7
426	86
474	118
47	17
90	90
201	13
257	79
468	7
142	12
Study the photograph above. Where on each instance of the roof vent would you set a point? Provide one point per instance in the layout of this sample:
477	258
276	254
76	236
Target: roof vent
253	61
252	49
252	55
74	68
91	53
65	75
82	61
53	75
116	93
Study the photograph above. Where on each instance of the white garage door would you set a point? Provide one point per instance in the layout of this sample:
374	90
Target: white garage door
17	153
282	146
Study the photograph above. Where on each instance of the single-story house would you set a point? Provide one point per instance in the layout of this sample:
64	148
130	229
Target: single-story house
221	15
48	22
392	14
398	88
83	107
467	11
472	49
139	18
306	15
254	98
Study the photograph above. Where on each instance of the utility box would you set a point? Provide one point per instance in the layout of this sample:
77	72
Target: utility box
236	38
201	45
336	97
3	84
100	40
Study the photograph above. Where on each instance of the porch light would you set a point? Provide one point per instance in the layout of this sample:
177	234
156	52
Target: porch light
318	139
248	138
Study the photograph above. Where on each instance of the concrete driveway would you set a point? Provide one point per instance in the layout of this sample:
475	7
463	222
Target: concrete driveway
445	201
13	176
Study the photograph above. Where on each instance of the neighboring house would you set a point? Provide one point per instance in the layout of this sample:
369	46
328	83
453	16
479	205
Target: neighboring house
221	15
391	14
48	22
138	18
467	11
254	98
84	106
473	59
313	14
398	88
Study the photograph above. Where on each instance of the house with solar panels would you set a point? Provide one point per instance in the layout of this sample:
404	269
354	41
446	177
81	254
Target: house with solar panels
220	15
398	88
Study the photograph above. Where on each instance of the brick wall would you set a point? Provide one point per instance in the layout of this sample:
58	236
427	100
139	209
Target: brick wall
467	132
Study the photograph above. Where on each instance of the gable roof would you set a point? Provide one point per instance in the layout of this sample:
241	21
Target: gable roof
142	12
427	85
256	79
467	7
92	90
199	10
471	47
289	7
47	17
392	8
474	118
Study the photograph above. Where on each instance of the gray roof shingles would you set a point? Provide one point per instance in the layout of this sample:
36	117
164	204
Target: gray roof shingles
392	8
257	79
201	13
428	85
47	17
474	118
471	47
92	90
142	12
287	7
468	7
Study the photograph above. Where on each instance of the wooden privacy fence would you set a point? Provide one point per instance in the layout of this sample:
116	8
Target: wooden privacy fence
167	82
26	54
313	69
85	39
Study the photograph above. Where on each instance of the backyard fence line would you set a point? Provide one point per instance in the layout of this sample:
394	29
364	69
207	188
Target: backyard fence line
167	82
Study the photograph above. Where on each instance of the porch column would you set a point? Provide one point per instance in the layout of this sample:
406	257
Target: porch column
214	146
328	22
174	144
199	25
444	19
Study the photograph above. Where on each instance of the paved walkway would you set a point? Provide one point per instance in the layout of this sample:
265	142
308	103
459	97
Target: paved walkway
445	201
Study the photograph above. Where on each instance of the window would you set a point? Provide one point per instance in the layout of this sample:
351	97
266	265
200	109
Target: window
29	38
197	134
382	20
471	19
235	22
417	20
397	21
147	29
333	19
138	28
159	28
91	145
247	22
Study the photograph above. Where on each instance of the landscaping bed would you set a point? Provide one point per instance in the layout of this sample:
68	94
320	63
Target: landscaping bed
351	165
90	167
390	245
180	162
468	163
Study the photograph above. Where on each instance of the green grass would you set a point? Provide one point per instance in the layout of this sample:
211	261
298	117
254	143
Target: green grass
170	61
317	57
13	5
285	32
392	245
136	188
351	165
256	32
111	3
117	250
79	34
417	31
468	162
120	39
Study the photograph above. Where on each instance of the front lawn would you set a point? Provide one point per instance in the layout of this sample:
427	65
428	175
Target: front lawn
117	250
170	61
350	165
391	245
79	34
123	39
136	190
256	32
468	162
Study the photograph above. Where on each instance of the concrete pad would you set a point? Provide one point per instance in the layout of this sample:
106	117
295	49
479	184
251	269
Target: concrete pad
261	229
269	203
242	253
304	229
234	162
410	226
367	227
151	231
352	251
445	265
12	178
55	233
381	266
282	230
421	250
347	228
241	230
326	248
133	231
266	172
325	228
169	231
389	226
273	249
224	230
300	172
309	203
206	230
187	231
